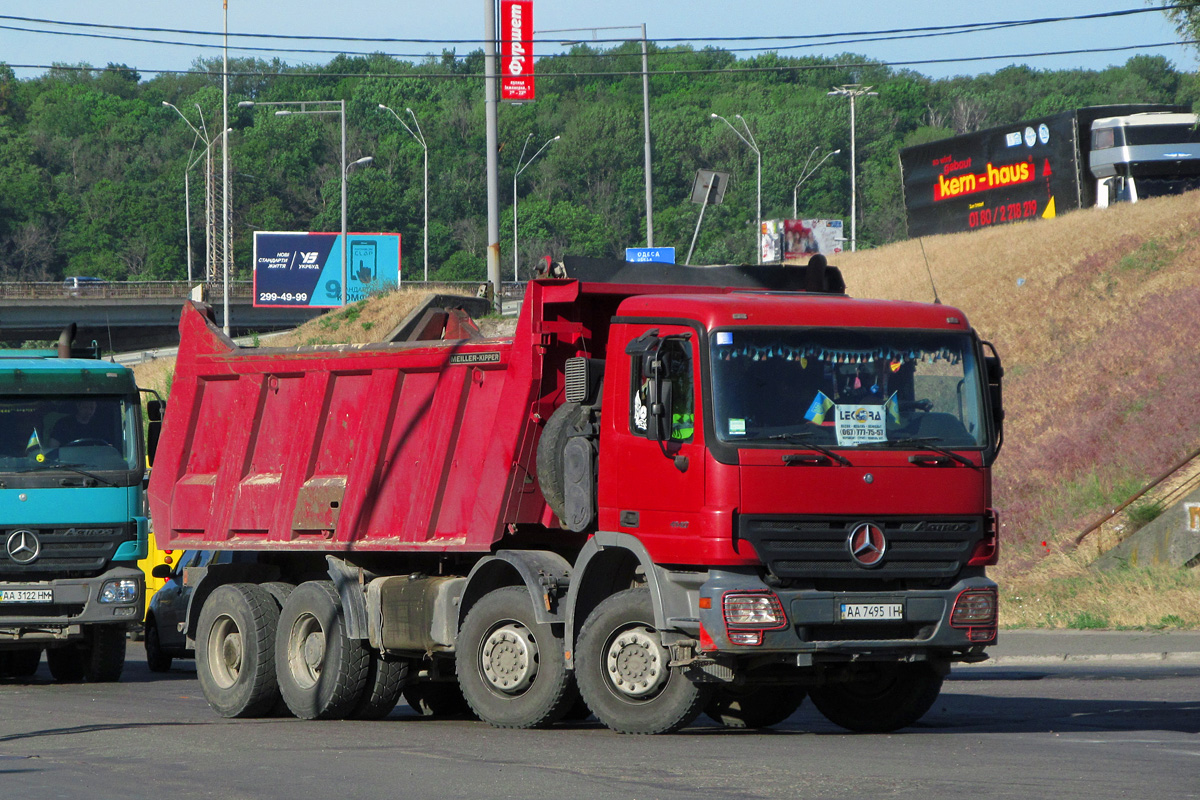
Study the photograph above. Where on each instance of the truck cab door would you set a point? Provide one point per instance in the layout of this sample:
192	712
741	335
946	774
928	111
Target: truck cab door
652	484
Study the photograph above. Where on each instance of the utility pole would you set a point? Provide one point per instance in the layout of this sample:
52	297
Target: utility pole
493	143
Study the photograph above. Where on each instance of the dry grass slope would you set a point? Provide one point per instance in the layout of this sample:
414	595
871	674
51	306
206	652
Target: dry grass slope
366	321
1097	317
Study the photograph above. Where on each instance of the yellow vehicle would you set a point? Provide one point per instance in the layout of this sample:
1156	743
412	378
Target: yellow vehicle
153	558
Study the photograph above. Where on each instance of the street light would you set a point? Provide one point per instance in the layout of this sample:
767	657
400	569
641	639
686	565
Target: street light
753	145
520	169
344	168
202	135
420	137
806	173
645	113
853	91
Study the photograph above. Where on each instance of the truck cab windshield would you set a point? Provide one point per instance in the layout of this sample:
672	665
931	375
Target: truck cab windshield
95	433
847	388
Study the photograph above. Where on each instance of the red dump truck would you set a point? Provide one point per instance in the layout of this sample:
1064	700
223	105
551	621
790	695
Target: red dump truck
673	490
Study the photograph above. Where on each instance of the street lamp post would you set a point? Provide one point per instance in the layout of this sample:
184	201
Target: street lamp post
645	113
520	169
202	135
420	137
343	167
805	174
853	91
753	145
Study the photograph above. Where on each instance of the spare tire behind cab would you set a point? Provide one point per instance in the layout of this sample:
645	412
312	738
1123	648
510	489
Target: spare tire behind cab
565	420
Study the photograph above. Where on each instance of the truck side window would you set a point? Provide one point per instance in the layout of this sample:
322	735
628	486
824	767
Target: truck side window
677	358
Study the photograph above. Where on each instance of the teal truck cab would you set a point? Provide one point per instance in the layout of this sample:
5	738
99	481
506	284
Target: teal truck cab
72	512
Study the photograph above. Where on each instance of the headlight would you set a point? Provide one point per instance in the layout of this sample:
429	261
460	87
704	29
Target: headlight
122	591
759	610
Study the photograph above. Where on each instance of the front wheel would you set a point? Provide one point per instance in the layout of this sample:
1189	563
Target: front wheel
510	666
234	647
105	654
885	697
753	706
21	663
623	669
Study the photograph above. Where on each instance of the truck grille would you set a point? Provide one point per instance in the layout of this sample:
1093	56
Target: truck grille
79	551
817	548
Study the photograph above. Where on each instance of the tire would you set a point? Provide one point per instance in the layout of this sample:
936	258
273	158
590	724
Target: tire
105	654
280	591
22	663
385	681
623	673
550	454
322	673
511	667
234	649
754	706
66	663
436	699
886	698
156	659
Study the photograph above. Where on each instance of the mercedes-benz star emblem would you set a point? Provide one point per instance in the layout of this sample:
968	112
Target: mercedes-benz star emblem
23	546
867	544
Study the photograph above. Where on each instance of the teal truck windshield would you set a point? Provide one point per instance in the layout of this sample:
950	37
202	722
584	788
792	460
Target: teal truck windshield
88	432
847	388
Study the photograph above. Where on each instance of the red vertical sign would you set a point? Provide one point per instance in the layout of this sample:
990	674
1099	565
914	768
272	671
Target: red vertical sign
516	50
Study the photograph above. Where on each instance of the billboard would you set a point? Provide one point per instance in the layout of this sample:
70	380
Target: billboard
1022	171
305	269
800	239
516	50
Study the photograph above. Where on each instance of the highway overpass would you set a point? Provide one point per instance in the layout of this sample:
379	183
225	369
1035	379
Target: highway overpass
127	315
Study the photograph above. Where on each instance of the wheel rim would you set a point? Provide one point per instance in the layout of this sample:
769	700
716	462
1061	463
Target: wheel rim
636	663
225	652
508	658
306	651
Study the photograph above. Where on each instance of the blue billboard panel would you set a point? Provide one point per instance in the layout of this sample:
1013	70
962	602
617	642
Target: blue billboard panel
305	269
647	255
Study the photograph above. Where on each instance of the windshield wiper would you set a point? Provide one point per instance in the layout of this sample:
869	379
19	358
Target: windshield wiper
925	443
801	438
69	468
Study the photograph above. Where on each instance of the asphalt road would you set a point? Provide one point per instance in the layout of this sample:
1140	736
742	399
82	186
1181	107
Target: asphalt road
1125	725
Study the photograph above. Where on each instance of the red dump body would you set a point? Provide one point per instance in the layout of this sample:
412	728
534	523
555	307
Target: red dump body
416	446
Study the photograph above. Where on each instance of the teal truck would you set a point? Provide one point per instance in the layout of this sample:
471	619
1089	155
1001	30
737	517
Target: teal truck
72	511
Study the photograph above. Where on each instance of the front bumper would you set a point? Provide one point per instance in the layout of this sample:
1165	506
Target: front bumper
74	603
815	631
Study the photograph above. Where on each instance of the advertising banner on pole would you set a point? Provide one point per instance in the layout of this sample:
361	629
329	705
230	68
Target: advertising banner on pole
800	239
516	51
305	269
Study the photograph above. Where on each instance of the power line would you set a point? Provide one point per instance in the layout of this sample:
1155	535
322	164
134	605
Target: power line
727	71
943	29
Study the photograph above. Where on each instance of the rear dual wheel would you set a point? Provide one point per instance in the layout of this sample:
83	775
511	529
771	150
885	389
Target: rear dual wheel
322	673
235	648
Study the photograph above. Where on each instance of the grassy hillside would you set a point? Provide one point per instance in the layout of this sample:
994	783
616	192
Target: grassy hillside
1097	317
